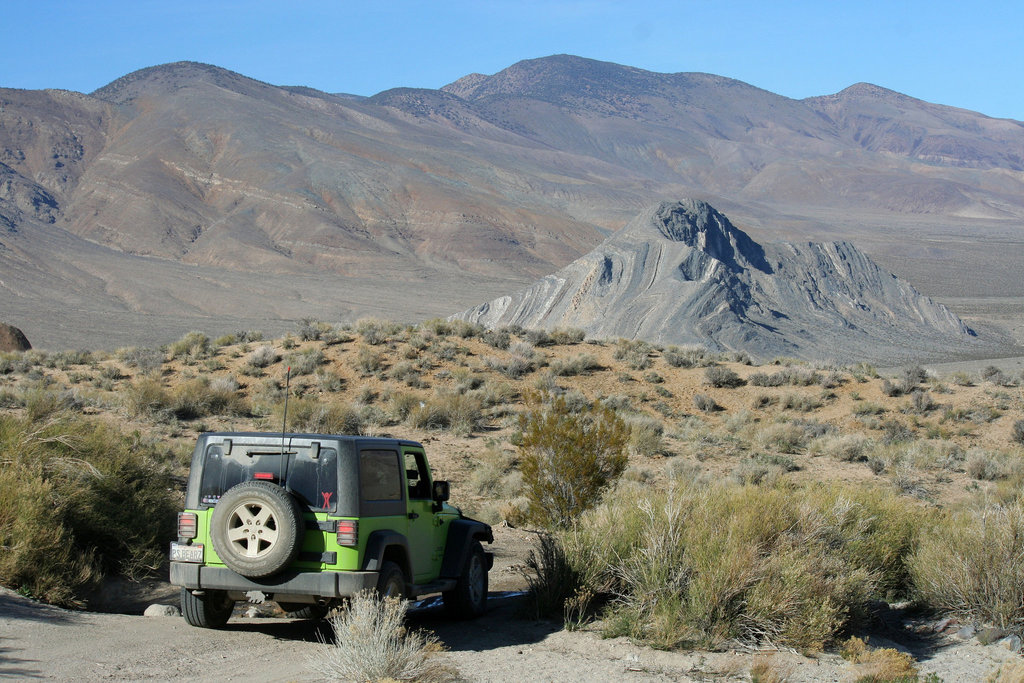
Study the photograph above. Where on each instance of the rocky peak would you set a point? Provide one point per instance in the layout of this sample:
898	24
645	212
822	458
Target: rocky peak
697	224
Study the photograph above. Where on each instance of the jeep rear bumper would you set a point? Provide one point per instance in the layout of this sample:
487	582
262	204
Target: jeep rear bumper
322	584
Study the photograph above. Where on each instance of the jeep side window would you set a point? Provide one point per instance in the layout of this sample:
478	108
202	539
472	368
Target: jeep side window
380	475
416	473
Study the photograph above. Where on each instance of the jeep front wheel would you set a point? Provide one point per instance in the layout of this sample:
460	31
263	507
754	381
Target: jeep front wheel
209	609
469	597
257	529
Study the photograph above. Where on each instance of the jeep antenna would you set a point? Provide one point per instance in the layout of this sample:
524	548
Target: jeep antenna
284	422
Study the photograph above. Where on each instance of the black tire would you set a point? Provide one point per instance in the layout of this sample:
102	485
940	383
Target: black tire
468	599
391	581
257	529
303	611
209	610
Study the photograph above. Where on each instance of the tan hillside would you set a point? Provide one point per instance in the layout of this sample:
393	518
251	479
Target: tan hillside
450	385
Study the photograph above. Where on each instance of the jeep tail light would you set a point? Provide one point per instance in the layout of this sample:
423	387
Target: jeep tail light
187	524
348	532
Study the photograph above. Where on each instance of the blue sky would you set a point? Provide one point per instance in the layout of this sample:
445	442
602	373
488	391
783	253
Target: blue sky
963	54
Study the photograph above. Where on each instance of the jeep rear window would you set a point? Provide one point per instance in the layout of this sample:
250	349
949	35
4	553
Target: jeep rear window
313	481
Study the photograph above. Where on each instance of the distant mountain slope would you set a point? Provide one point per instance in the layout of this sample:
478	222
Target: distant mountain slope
494	178
681	273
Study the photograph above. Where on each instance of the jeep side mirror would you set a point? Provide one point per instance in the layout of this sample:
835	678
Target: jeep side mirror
441	491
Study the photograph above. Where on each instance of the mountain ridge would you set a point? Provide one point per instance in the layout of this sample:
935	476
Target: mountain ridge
192	164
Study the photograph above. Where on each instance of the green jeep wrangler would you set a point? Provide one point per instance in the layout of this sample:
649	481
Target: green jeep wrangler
309	519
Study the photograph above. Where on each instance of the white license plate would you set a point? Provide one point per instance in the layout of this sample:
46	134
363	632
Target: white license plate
186	553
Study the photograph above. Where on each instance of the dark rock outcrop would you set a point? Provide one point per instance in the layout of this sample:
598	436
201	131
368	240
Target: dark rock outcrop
13	339
681	273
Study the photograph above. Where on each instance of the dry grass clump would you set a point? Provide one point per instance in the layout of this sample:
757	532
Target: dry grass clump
375	332
457	412
330	417
720	377
262	357
78	500
708	564
580	364
969	563
635	353
193	346
305	362
878	664
371	643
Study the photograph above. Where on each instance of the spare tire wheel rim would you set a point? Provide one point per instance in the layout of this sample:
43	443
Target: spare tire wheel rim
252	529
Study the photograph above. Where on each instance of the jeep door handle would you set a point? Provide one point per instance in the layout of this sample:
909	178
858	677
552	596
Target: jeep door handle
414	515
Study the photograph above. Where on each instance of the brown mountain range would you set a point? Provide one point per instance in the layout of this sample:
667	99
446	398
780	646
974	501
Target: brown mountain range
185	195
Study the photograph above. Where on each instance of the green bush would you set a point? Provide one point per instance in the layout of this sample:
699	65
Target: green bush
569	457
793	565
79	500
970	564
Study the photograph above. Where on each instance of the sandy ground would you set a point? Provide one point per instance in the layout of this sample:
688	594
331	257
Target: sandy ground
47	643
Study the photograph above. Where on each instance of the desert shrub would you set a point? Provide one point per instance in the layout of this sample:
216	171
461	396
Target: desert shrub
569	458
199	397
368	362
371	643
79	500
720	377
374	331
803	403
465	329
147	396
762	401
783	437
580	364
146	360
705	403
846	448
311	329
522	359
984	466
634	352
921	402
262	357
305	362
763	379
499	339
686	357
868	408
645	436
1017	433
793	565
551	579
969	563
193	346
461	414
567	336
328	381
539	338
331	417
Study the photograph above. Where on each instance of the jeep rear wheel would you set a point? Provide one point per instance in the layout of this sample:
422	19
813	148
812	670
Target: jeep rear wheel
257	529
469	597
209	609
391	581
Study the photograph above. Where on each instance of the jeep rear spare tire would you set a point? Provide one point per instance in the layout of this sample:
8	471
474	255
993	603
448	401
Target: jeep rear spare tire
257	528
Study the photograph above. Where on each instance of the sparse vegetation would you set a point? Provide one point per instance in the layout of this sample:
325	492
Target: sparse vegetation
372	643
942	457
